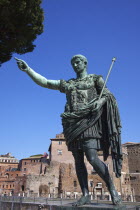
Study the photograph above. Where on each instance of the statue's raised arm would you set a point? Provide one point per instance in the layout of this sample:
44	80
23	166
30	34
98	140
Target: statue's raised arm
37	78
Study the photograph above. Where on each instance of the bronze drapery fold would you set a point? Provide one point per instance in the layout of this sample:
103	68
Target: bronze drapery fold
76	123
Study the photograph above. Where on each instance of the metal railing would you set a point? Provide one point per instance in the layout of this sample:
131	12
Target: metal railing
20	199
58	201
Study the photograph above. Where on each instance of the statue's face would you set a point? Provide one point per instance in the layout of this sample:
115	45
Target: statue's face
78	65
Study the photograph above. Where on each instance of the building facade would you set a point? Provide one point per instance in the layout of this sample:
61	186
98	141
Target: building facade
130	179
54	175
8	173
128	185
69	184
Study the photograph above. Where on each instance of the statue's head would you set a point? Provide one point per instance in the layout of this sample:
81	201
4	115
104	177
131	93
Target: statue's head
79	63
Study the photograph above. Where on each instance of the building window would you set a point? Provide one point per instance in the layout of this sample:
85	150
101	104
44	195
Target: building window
22	187
132	178
7	175
75	183
24	169
60	142
99	185
24	163
6	186
59	152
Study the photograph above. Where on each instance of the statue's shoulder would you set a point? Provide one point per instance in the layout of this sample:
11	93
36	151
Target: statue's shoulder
64	84
67	81
71	80
95	77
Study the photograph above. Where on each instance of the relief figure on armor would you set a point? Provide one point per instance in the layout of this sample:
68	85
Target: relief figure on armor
89	124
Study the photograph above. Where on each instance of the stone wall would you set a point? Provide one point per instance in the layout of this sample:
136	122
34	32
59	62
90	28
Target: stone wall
133	157
131	171
39	184
59	151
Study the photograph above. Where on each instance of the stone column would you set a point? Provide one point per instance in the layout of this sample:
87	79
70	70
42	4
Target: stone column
103	193
95	193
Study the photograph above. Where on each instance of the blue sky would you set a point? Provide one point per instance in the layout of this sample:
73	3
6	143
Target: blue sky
98	29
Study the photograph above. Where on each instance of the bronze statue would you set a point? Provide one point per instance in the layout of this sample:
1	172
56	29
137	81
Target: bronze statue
89	123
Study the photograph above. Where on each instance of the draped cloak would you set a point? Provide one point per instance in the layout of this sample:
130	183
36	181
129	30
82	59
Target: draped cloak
107	117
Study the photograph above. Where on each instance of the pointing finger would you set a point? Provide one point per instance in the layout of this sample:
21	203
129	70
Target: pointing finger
17	59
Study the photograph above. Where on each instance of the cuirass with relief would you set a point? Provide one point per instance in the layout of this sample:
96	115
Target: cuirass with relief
79	93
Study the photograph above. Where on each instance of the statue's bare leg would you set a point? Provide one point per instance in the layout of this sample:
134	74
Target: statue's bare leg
103	172
82	176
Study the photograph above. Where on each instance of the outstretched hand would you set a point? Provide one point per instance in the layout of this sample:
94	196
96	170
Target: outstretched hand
23	66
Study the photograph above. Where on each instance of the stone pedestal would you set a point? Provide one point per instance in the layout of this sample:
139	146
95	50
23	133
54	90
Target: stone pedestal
91	207
95	207
4	205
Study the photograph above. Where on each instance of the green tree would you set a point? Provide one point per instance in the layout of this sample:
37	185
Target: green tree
20	23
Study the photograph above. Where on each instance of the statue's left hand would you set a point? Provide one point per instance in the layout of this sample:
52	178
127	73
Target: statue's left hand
22	65
99	103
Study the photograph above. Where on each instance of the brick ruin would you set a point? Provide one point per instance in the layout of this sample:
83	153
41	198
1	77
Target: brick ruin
54	175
